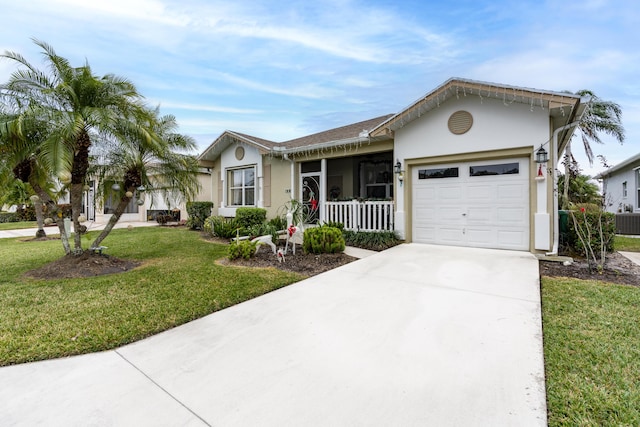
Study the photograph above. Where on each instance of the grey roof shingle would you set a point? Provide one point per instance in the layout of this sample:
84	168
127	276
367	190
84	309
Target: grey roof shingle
337	134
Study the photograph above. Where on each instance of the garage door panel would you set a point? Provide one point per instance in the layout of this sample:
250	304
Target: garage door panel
450	235
425	234
512	239
481	193
479	214
449	193
481	237
488	209
511	192
512	216
449	214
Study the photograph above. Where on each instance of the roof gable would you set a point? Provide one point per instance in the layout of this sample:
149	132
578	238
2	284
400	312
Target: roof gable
631	163
563	107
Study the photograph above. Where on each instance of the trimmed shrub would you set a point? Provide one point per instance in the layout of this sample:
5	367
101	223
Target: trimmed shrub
163	219
323	240
249	217
9	217
372	240
220	226
26	213
241	249
335	224
198	212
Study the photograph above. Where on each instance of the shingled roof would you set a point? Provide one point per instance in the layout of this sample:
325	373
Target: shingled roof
343	133
352	133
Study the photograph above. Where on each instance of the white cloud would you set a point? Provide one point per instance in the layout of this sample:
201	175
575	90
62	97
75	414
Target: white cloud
203	107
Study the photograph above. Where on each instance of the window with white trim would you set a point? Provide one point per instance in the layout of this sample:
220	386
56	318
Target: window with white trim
241	186
624	189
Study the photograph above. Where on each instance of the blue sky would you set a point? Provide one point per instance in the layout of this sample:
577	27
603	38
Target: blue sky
280	70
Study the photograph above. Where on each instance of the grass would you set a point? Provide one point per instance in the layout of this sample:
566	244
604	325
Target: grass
18	225
592	352
179	281
628	244
591	329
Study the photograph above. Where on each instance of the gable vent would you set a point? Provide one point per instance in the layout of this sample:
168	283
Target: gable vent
460	122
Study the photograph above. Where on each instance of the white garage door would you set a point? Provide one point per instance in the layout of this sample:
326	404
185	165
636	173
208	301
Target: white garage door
480	204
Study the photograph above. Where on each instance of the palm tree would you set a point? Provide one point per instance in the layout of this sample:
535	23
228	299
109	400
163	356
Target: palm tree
80	109
146	165
20	139
600	117
581	190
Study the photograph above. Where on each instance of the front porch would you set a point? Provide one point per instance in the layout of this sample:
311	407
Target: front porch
357	191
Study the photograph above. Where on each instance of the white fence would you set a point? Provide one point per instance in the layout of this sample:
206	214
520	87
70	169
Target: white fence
361	216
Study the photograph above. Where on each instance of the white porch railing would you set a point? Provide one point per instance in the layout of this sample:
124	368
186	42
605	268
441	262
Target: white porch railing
361	216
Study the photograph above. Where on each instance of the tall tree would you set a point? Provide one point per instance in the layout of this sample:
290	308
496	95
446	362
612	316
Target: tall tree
80	109
147	164
601	117
20	139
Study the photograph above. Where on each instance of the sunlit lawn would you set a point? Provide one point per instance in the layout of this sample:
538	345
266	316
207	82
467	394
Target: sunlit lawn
178	281
628	244
591	329
18	225
592	352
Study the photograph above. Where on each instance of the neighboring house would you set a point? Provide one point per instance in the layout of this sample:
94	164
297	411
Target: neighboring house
456	167
621	186
142	206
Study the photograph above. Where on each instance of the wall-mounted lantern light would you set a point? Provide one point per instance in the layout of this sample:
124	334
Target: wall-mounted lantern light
397	169
541	155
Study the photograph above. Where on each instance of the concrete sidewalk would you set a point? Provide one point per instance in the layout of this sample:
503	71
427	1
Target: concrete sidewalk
416	335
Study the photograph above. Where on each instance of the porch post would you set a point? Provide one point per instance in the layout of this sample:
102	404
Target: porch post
322	197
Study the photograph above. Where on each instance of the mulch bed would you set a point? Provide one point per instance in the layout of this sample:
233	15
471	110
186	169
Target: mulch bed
305	264
88	264
617	269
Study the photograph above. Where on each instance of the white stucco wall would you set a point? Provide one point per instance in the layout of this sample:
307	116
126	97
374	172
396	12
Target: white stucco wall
496	126
612	189
252	157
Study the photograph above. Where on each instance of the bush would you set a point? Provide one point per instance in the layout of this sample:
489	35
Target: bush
278	222
589	222
372	240
323	240
162	219
198	212
220	226
26	213
335	224
9	217
263	230
241	249
249	217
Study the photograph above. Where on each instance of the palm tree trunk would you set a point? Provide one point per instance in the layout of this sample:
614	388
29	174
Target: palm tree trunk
37	205
53	208
76	208
122	206
567	177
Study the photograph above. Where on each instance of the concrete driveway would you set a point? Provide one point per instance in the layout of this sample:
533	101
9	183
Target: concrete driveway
417	335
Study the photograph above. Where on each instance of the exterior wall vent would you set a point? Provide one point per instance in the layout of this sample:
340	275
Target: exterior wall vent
460	122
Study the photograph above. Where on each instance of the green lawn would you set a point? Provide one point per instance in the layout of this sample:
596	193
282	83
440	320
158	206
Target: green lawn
592	352
19	225
179	281
628	244
591	329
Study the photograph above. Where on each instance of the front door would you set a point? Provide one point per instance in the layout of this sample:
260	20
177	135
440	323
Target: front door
310	192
